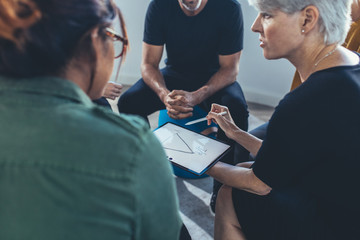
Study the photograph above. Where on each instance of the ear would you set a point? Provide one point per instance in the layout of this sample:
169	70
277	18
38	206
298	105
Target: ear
96	40
309	19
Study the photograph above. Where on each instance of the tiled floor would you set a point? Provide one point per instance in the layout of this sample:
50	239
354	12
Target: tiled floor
194	194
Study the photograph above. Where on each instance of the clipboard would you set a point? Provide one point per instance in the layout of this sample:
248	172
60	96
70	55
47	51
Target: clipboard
189	150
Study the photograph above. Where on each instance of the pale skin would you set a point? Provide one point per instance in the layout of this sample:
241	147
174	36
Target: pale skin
112	90
355	10
180	103
296	38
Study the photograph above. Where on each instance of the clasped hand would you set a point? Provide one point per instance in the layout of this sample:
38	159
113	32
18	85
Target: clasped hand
179	104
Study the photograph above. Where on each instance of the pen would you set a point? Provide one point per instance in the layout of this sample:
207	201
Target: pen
202	119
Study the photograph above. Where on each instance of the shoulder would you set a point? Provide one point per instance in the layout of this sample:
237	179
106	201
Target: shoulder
159	10
100	127
227	5
227	10
97	136
231	3
107	123
159	5
321	87
335	78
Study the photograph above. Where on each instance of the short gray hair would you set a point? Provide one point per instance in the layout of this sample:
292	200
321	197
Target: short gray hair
334	20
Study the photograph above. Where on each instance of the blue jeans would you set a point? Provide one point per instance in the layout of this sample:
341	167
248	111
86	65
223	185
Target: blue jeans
102	102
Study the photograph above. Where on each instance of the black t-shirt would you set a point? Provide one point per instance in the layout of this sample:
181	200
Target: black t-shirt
313	144
193	44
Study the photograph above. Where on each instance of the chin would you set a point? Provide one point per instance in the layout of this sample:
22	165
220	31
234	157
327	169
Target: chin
269	56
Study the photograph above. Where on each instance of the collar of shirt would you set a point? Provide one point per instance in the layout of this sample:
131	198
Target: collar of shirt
51	86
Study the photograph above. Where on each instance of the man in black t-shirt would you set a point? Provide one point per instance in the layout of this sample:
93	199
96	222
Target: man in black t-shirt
203	40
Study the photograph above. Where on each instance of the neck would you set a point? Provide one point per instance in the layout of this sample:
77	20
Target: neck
355	11
78	74
355	16
312	59
328	54
193	13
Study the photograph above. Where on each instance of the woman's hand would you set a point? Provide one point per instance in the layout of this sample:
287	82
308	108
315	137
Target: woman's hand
225	121
112	90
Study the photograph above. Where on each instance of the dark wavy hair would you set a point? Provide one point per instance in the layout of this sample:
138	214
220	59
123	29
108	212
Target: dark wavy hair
40	37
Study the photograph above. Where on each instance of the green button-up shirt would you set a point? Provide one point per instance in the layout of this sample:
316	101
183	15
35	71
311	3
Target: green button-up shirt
73	170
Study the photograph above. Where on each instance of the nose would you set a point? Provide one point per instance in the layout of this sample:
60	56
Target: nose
256	26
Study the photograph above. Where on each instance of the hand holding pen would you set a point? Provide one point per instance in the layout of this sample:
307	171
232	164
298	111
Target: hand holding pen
203	119
225	121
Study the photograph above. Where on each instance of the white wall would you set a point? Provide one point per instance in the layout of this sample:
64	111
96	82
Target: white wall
263	81
134	13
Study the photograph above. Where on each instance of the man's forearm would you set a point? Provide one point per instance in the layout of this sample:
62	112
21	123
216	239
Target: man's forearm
224	77
155	80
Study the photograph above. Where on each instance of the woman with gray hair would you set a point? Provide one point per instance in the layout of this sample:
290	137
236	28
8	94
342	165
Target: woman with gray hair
287	193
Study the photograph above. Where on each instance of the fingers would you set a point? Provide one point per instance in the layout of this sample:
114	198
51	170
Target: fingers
216	117
177	100
174	93
116	92
218	108
182	109
112	90
112	97
118	87
180	97
178	111
213	115
180	115
115	87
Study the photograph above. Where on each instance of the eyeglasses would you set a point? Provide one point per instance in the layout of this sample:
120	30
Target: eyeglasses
120	43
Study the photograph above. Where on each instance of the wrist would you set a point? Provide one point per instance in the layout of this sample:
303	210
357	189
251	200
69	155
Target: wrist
162	94
201	94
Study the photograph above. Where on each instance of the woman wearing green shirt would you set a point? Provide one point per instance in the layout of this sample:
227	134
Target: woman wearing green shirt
70	169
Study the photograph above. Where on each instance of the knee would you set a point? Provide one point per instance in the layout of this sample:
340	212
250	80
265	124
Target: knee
236	105
224	198
126	102
124	99
135	98
247	164
234	98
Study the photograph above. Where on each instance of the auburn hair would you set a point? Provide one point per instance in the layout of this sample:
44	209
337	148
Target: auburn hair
39	37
